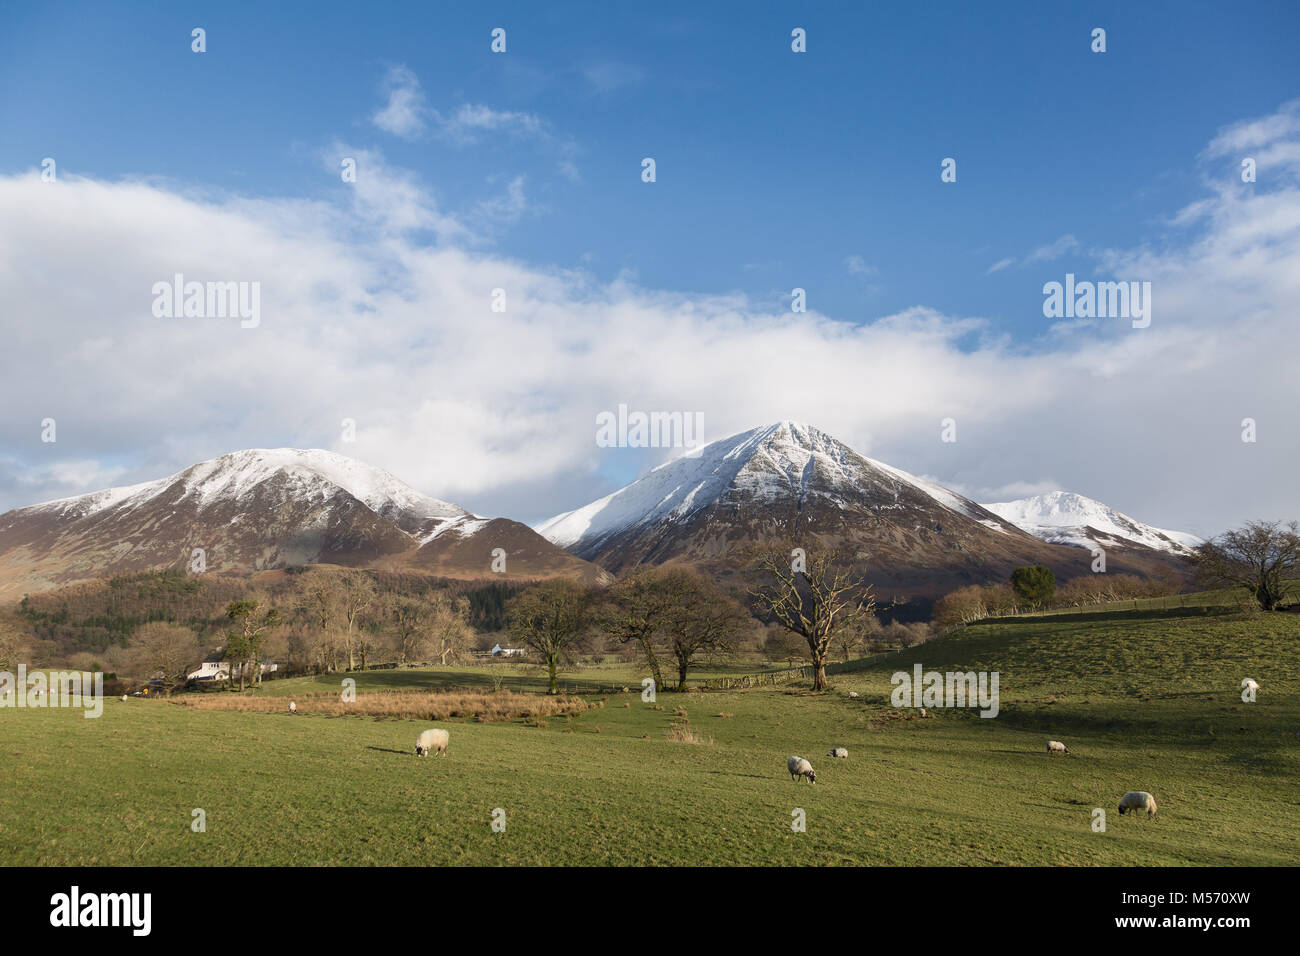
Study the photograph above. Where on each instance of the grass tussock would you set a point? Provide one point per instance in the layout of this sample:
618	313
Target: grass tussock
680	732
485	706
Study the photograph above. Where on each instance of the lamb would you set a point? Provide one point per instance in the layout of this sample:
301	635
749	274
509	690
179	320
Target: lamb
1056	747
837	752
431	740
293	707
799	767
1136	800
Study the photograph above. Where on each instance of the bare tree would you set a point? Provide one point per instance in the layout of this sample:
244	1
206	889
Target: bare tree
1261	557
551	618
633	611
409	617
356	591
166	649
320	601
336	600
447	626
700	619
812	596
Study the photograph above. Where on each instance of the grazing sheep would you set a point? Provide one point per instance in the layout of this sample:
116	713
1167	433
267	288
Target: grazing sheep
293	708
838	752
853	694
1136	800
799	767
124	698
431	740
1056	747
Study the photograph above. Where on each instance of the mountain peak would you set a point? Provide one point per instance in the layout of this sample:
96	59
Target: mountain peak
754	472
1065	517
236	474
264	508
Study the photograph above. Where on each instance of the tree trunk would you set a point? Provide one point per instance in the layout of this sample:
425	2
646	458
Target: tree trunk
819	673
550	662
653	661
682	667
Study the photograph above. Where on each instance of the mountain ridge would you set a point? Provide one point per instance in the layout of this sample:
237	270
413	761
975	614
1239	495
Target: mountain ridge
259	509
791	481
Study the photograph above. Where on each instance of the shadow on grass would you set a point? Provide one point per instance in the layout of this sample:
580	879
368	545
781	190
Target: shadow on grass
1140	614
389	750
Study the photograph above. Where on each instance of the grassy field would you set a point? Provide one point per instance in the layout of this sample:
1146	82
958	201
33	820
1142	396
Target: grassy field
1145	700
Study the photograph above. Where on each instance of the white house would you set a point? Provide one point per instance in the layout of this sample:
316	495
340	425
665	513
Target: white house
211	670
216	669
500	651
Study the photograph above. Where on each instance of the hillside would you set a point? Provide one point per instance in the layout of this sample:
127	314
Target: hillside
950	789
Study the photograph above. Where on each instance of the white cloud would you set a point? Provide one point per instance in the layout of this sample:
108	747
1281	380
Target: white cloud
405	113
474	119
364	317
608	78
504	209
857	266
1053	250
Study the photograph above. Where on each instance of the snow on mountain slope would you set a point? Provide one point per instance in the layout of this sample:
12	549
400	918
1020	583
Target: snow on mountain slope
786	460
307	473
1062	517
262	509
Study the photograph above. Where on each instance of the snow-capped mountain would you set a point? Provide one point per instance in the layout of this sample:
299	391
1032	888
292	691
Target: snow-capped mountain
791	482
761	467
260	509
1063	517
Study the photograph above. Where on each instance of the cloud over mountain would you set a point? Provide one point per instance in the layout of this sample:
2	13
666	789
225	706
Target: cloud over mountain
374	310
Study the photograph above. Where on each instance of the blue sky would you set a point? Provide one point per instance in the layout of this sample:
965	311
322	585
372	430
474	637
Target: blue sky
774	170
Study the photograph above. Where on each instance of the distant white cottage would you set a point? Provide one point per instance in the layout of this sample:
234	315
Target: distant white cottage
500	651
214	668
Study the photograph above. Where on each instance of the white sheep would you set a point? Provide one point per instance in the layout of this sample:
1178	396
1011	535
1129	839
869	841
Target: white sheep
799	767
124	698
1136	800
1056	747
293	707
853	694
431	740
837	752
1250	684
